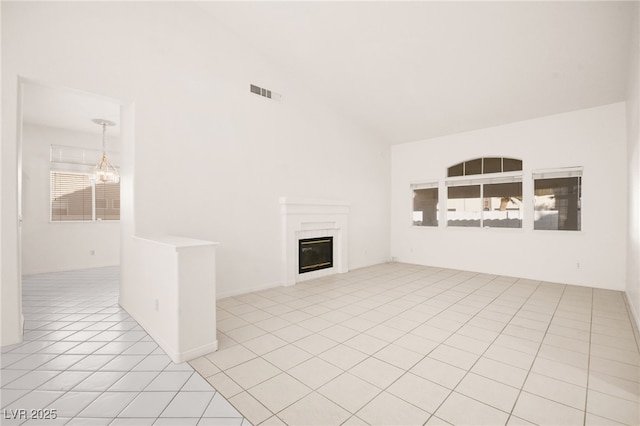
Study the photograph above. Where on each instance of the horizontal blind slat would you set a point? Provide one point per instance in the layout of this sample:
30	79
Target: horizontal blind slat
71	196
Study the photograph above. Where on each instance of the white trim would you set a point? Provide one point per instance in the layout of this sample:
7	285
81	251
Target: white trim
177	242
557	173
81	169
232	293
176	356
67	154
426	184
308	202
309	218
507	177
633	313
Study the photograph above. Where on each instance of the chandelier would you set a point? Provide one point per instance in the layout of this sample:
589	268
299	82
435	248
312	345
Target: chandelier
104	171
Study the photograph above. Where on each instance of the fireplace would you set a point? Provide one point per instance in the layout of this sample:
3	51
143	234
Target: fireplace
314	218
315	254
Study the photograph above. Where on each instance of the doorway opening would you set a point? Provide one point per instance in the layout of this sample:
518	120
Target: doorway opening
67	220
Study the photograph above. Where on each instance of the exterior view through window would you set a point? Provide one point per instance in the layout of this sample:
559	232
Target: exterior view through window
488	193
558	203
490	198
425	204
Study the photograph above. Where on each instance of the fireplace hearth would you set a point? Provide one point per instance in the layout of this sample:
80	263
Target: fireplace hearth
315	254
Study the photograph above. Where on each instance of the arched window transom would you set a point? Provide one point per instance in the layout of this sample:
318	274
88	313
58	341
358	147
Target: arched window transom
486	165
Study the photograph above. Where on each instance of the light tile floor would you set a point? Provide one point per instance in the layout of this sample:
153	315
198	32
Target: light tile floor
399	344
87	359
392	344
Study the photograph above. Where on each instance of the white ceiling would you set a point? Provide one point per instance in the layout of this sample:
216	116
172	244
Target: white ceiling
67	109
414	70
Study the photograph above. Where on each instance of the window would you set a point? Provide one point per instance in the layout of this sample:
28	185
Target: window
490	201
107	195
74	197
502	205
511	165
71	197
464	206
482	166
425	204
557	200
492	165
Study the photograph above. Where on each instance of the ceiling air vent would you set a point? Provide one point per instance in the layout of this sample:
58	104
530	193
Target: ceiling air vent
264	92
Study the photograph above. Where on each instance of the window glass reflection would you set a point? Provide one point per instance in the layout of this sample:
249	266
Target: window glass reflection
502	205
558	204
464	206
425	207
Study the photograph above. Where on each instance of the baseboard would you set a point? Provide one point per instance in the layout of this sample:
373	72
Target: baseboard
68	269
176	356
248	290
380	261
195	353
635	318
222	295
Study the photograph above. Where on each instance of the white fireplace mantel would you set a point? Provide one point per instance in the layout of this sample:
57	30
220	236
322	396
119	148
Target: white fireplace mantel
310	218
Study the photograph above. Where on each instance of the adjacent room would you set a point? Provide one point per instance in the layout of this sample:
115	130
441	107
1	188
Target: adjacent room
320	213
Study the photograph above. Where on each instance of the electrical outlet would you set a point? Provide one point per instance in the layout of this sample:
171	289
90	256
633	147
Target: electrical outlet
93	252
578	266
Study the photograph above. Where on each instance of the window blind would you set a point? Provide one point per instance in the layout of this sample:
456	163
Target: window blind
107	201
71	197
75	198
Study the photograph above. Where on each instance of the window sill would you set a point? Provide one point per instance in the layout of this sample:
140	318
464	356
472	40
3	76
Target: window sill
84	221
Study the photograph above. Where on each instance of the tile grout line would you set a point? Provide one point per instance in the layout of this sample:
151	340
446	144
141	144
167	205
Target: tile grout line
316	356
96	306
438	345
564	288
443	291
470	368
586	396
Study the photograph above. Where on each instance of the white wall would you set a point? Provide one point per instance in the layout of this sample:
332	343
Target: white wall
11	300
177	273
593	138
59	246
633	165
211	159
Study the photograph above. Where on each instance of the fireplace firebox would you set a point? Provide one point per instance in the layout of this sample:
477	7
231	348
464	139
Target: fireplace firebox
315	254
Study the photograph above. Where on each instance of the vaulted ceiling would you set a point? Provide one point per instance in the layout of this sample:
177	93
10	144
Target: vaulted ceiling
415	70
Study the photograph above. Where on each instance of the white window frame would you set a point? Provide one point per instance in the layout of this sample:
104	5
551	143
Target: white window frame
472	180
